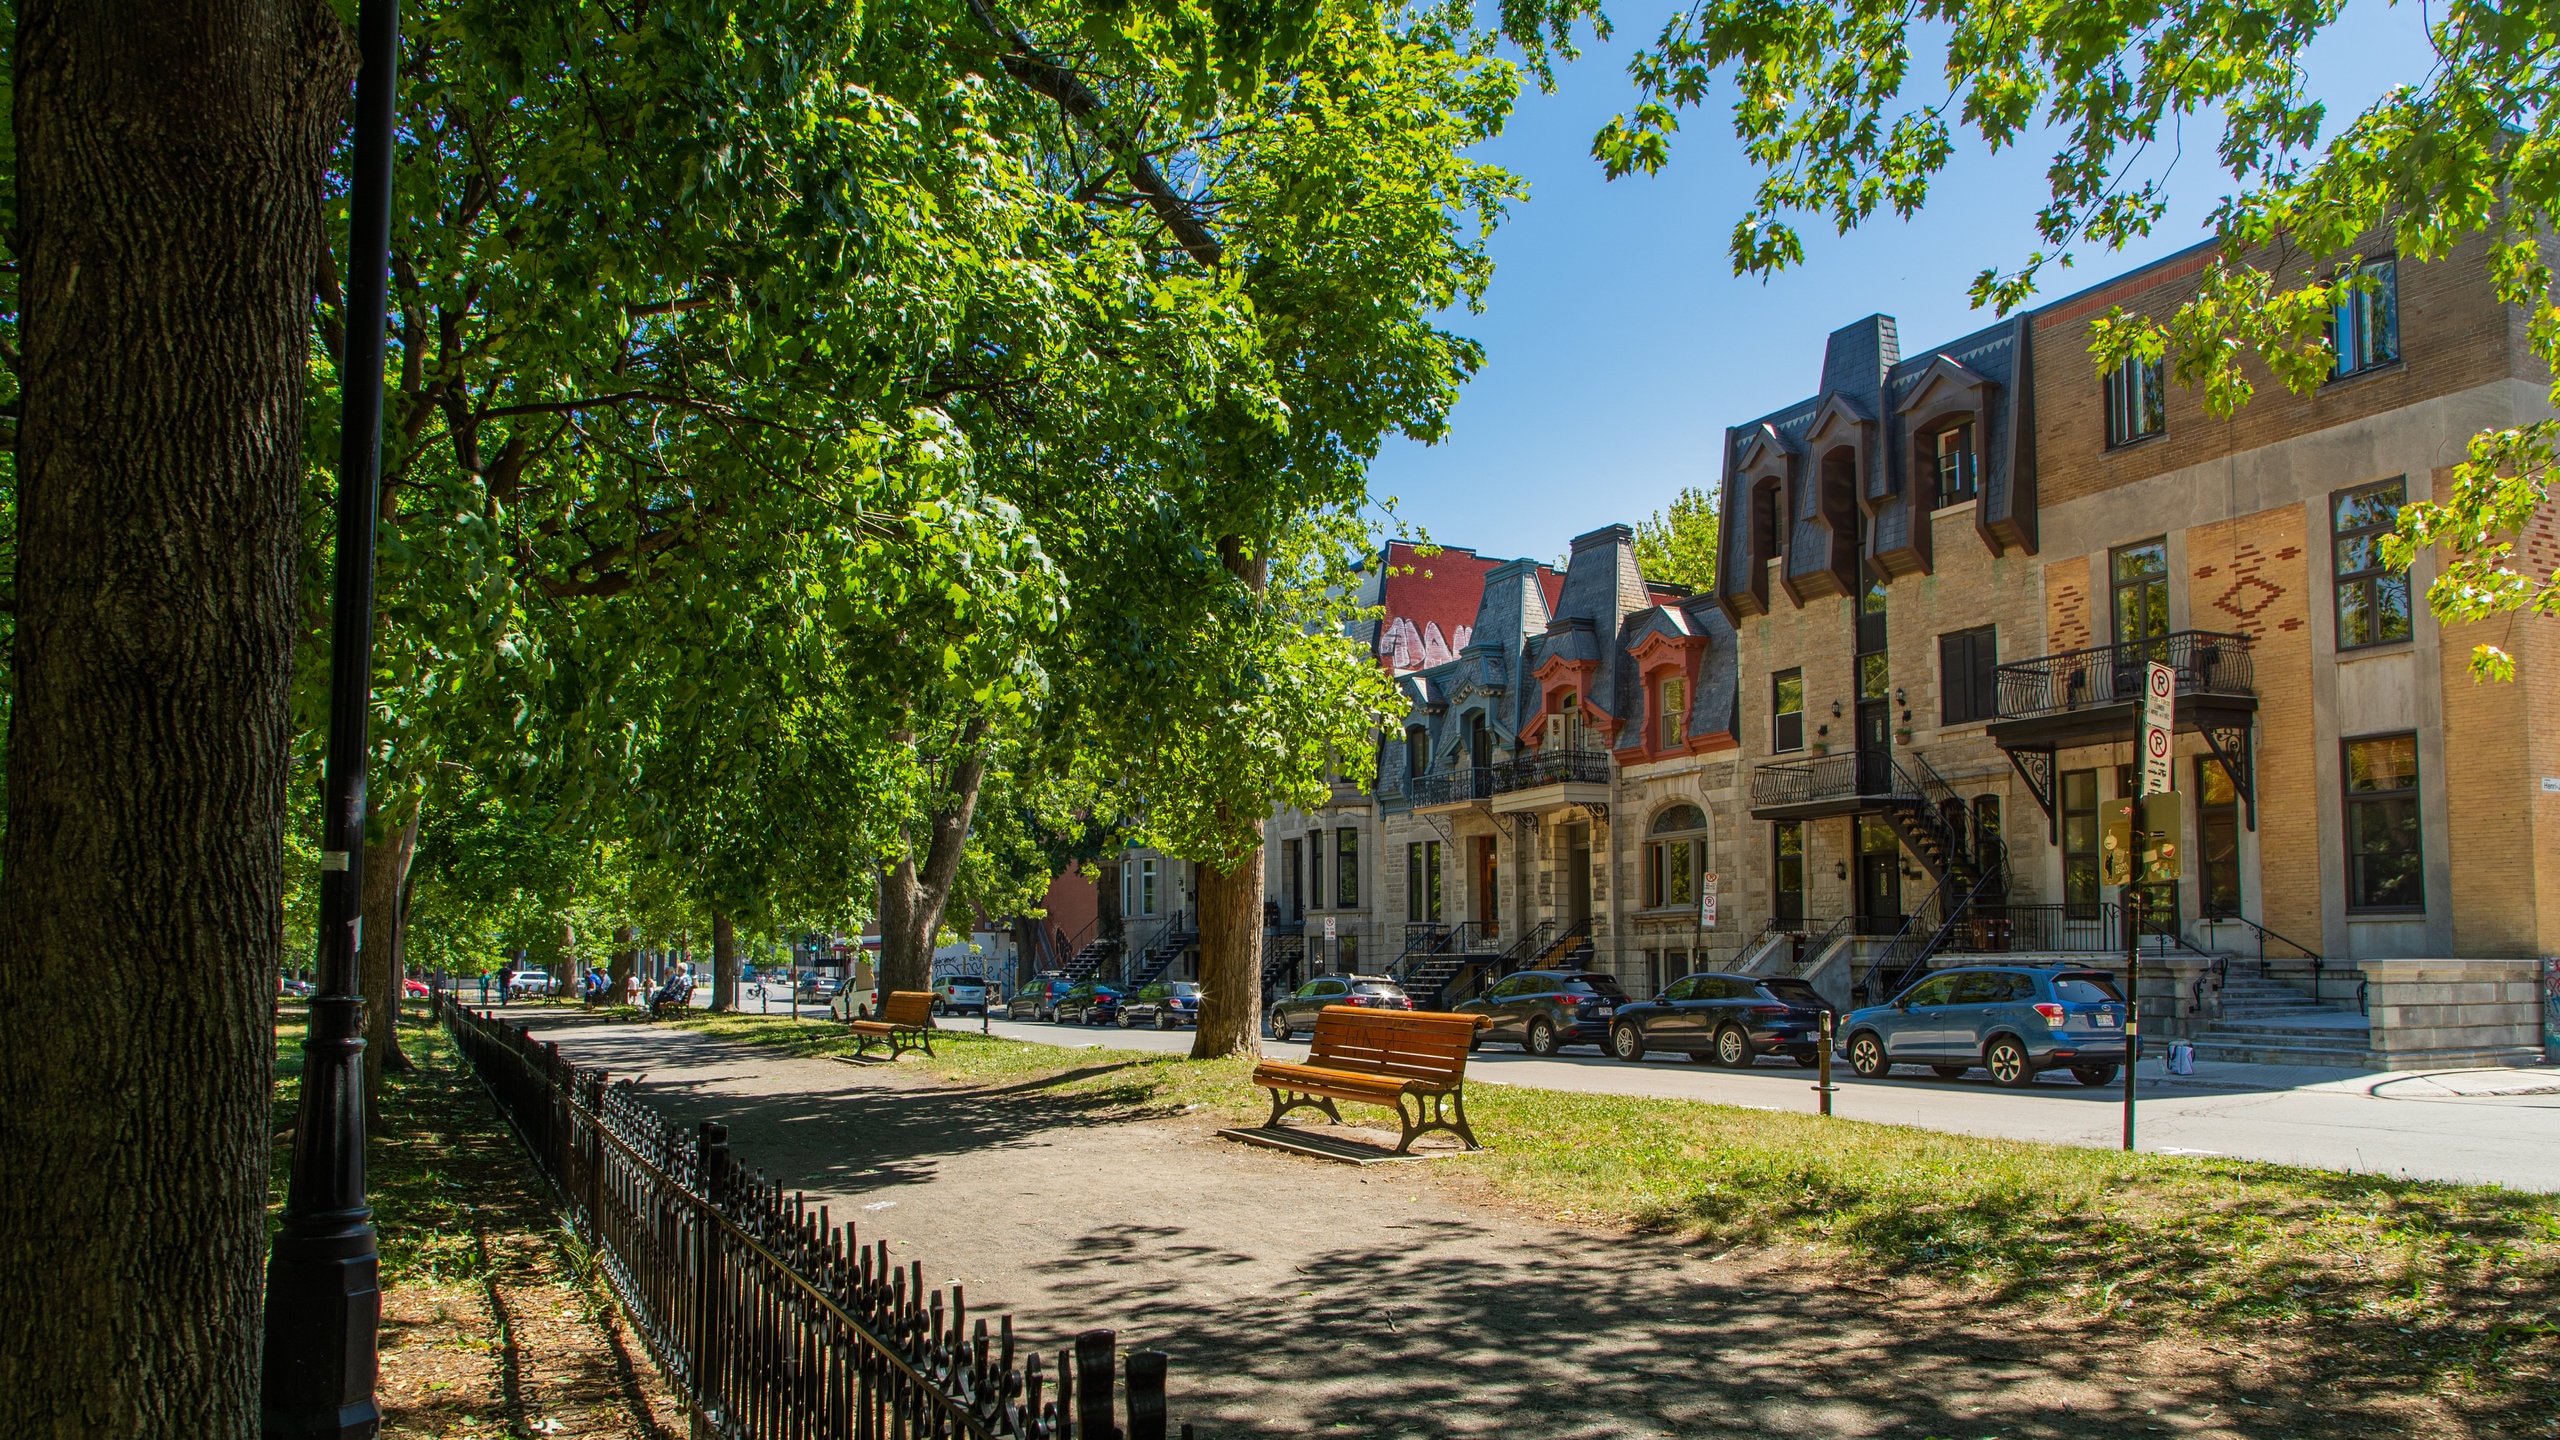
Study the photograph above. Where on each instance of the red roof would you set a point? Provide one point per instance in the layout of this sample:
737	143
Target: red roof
1431	601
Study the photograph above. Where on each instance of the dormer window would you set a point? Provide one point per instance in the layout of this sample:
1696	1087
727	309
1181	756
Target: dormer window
1564	722
1675	712
1951	459
1417	751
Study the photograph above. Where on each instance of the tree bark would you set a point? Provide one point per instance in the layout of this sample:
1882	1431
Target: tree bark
724	963
626	963
386	879
169	164
911	897
1231	907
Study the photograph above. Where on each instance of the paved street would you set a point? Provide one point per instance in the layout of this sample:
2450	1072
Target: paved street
2501	1126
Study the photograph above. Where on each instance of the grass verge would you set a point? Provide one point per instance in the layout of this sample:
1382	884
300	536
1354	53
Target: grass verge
2451	1281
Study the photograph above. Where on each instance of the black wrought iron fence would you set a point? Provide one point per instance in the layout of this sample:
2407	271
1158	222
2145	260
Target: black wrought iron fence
773	1322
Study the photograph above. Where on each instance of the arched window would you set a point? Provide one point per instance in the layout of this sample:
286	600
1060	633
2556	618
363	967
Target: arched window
1675	857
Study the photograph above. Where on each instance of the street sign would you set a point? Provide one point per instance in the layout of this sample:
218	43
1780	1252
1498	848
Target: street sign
2160	837
1709	881
2159	721
1328	927
1707	909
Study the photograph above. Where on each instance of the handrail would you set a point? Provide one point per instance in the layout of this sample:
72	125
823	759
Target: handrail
1902	940
2207	662
2319	962
1816	945
1562	767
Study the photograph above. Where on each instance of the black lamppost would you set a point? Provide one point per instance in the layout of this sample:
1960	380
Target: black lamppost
323	1276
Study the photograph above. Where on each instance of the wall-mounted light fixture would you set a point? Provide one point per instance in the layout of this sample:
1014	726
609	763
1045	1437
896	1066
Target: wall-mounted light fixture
1835	709
1843	868
1897	695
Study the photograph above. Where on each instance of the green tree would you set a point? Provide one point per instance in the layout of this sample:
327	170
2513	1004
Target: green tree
1679	545
1831	104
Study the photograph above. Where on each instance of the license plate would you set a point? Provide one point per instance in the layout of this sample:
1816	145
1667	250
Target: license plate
1606	1011
2104	1019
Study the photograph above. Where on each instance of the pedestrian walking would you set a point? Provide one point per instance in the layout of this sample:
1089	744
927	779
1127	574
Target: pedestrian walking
506	982
484	989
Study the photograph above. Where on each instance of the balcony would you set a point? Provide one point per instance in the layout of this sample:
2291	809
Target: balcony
1450	789
1539	781
2096	694
1840	784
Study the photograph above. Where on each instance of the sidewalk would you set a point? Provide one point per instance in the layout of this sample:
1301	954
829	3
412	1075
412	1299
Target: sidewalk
1298	1297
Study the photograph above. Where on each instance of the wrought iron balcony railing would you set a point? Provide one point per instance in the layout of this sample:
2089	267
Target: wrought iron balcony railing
1451	787
1845	776
1563	767
2206	662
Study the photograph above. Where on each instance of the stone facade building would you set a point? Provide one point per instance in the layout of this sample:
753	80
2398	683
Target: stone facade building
1893	734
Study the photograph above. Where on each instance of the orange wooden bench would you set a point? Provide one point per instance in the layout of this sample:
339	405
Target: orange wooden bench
906	1021
1413	1063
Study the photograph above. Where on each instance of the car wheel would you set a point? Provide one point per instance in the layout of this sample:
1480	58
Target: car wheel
1867	1057
1733	1048
1808	1059
2093	1075
1542	1037
1280	1028
1126	1023
2006	1059
1626	1042
1950	1072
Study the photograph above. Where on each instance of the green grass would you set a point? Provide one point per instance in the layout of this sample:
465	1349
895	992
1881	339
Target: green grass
2467	1275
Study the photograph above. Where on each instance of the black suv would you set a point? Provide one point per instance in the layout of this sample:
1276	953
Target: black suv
1090	1003
1165	1004
1297	1014
1543	1011
1725	1020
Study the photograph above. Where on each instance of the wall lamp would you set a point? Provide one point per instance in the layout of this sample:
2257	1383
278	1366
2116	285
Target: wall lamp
1843	868
1835	709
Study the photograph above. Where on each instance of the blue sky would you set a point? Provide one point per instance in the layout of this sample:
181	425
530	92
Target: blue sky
1620	343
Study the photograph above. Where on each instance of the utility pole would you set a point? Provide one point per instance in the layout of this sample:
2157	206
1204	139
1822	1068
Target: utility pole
324	1301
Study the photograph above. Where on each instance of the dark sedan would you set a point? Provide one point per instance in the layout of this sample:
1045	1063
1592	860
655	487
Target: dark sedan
1038	997
1725	1020
1166	1004
1087	1004
1296	1015
1542	1011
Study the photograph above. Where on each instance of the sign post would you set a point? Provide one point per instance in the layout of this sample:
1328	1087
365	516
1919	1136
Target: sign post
2159	723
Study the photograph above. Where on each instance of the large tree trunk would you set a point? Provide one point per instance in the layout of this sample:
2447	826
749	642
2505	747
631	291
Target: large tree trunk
626	962
386	879
912	897
168	184
1230	957
1231	907
724	964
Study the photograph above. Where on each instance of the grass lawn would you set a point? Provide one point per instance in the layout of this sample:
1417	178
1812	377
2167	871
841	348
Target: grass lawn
494	1321
2455	1283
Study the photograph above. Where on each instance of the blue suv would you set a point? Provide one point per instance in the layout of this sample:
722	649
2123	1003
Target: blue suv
2014	1022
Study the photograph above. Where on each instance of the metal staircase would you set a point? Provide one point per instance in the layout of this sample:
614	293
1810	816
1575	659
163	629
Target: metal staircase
1178	933
1088	961
1435	956
1932	824
1284	958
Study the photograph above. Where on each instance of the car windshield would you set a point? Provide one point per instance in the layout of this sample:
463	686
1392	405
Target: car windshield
1794	992
1593	983
1376	988
1185	990
2085	989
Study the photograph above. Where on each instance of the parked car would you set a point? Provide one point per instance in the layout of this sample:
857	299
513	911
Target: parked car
959	995
1724	1020
814	986
530	982
415	989
854	1002
2014	1021
1166	1004
1296	1014
1542	1011
1089	1003
295	987
1038	998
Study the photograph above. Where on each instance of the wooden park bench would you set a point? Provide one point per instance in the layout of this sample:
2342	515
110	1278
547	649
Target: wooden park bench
905	1021
1380	1057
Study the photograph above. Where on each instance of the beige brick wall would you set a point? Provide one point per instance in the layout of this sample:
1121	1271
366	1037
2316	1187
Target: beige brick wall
2248	576
2066	605
2453	332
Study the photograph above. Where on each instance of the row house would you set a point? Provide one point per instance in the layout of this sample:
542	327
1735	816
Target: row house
1890	738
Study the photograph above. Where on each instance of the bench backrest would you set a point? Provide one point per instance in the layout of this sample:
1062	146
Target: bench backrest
908	1007
1407	1045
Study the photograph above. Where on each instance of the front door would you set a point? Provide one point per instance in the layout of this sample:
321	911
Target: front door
1788	907
1486	898
1875	747
1879	879
1577	884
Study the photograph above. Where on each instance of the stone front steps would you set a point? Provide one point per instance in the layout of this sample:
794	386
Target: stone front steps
2265	1022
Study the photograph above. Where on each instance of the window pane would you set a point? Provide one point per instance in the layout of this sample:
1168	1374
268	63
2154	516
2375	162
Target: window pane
2355	618
2383	849
1790	692
2390	763
1874	680
2136	561
2390	607
1679	818
1679	854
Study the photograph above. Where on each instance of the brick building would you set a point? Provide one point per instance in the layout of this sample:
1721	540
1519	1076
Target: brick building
1893	733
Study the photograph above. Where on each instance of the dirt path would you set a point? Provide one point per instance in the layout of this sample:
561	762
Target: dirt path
1301	1297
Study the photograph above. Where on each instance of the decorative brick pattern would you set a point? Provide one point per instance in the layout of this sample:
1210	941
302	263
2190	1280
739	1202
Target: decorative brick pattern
2247	576
2066	605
